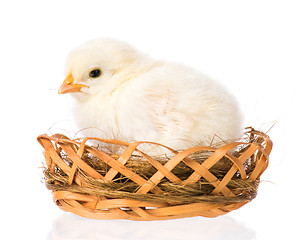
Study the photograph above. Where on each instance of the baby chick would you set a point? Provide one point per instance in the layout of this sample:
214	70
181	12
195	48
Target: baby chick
123	94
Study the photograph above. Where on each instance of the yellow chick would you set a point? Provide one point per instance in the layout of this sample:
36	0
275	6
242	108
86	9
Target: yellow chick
123	94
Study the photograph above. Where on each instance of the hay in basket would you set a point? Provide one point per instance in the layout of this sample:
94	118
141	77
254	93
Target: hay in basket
199	181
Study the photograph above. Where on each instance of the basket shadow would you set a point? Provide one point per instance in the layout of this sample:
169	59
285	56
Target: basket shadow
70	226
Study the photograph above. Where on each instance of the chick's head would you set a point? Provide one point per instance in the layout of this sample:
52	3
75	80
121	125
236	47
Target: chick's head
95	66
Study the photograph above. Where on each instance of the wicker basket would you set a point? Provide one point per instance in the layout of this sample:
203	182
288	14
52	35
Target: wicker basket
81	185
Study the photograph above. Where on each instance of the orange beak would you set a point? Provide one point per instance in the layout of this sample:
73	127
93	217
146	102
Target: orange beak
69	86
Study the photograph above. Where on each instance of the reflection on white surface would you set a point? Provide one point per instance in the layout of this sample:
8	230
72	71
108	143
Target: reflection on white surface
70	226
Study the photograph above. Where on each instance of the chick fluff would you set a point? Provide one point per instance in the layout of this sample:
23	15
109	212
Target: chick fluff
123	94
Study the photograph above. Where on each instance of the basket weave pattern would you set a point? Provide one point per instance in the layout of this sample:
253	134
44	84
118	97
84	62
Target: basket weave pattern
254	151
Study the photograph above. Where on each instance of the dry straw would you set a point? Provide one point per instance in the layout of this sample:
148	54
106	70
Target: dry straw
199	181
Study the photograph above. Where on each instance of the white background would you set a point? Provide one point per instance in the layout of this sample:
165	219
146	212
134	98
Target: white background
258	49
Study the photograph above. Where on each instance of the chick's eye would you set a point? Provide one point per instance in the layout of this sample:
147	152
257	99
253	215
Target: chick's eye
95	73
